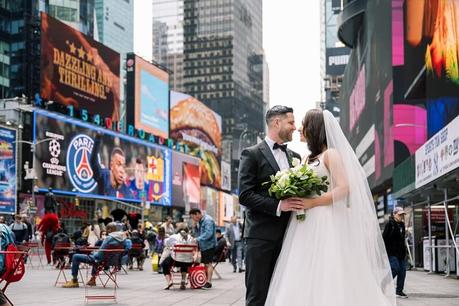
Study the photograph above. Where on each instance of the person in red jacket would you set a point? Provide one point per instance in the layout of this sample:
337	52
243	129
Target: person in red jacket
48	228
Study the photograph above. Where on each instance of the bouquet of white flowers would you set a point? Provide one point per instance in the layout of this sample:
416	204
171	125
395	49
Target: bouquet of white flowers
299	181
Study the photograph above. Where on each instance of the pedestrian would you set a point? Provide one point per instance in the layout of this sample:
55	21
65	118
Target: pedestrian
205	229
220	249
233	235
29	227
168	226
20	230
394	239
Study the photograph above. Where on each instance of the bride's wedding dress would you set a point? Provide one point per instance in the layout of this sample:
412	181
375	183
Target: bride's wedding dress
335	256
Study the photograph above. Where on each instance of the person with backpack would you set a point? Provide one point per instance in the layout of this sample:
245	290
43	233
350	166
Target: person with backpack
20	230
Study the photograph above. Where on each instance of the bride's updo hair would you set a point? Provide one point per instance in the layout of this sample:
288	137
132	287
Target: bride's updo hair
314	132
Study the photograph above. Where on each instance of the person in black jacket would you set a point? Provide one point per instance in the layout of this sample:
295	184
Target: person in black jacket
394	239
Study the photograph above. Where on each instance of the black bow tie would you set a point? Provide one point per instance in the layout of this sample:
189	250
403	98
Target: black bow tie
283	147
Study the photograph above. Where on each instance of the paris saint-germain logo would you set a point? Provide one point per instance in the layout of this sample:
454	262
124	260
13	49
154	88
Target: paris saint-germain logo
78	163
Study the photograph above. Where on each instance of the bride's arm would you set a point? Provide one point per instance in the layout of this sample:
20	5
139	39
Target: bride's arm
338	180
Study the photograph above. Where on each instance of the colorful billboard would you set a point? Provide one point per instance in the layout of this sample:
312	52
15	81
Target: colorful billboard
148	96
336	60
197	126
210	202
77	158
78	71
186	180
7	171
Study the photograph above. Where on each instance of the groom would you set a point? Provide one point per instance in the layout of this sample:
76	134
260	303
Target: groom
266	218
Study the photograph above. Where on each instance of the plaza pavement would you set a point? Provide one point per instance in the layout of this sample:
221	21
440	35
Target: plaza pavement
145	288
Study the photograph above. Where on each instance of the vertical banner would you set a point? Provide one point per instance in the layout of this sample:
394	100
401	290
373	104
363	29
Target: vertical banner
7	171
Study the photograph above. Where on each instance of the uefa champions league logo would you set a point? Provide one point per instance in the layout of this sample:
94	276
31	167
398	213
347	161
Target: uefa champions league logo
78	163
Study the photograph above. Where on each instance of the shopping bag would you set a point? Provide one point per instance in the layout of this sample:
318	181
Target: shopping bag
197	275
154	262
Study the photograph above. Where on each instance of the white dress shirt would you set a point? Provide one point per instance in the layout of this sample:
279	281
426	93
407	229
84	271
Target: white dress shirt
282	161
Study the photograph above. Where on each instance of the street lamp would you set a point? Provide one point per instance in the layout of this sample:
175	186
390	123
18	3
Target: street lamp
30	172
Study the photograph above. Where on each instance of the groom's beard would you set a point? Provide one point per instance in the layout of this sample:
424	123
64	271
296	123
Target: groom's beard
285	135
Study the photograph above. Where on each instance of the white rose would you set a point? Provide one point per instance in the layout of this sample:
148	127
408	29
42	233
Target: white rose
296	162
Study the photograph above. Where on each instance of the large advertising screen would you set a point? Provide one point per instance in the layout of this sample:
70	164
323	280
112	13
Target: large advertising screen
197	126
77	158
7	171
78	71
148	96
186	180
432	59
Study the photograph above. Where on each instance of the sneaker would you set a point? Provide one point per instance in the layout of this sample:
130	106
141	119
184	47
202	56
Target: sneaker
401	295
91	282
71	284
241	270
182	285
207	286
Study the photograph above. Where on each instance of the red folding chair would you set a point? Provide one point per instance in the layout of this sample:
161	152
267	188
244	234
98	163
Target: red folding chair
218	259
33	251
109	266
185	251
61	252
14	268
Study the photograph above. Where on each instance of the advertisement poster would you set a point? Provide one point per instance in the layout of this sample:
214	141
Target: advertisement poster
200	128
439	155
7	171
77	70
148	96
226	176
186	180
226	208
74	157
209	202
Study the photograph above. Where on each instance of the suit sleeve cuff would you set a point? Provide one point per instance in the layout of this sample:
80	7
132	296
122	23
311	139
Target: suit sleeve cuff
278	211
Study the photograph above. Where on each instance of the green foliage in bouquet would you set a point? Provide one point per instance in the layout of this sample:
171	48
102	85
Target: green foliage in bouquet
299	181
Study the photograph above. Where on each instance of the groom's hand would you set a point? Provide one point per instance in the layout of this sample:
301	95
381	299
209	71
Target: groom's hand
291	204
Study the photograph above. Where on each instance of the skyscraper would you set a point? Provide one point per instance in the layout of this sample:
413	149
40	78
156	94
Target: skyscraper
334	56
168	39
20	39
115	29
223	66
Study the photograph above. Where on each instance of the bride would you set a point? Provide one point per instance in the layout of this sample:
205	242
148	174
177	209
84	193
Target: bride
336	256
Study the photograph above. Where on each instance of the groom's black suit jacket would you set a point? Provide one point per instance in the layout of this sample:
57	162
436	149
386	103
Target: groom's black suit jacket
257	164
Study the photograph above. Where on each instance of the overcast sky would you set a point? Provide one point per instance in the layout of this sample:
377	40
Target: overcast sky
291	40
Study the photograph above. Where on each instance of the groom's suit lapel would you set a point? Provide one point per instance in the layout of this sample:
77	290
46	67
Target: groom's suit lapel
289	157
266	151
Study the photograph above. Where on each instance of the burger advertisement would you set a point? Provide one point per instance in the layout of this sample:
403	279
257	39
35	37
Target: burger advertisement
77	158
193	124
78	71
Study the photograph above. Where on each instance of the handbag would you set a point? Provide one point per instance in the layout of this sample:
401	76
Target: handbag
197	275
154	262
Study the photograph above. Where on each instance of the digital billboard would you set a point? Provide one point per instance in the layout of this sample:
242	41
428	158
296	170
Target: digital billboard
197	126
77	158
78	71
7	171
186	180
148	96
432	59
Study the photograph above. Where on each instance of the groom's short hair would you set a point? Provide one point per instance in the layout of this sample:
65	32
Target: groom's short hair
276	111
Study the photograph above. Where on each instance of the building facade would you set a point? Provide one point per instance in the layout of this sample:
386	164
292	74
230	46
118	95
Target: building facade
334	56
400	112
223	66
168	39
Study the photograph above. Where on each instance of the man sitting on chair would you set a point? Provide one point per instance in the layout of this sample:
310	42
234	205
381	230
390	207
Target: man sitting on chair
114	239
182	260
